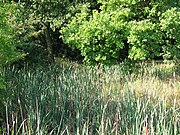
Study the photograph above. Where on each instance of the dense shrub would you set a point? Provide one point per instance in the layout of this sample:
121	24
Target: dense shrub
145	29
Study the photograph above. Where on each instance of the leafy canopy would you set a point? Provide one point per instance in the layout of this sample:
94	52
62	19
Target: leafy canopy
145	29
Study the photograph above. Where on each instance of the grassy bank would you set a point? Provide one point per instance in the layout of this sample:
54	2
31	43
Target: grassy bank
72	99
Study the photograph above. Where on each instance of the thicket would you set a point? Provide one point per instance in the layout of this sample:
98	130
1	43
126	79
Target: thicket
37	25
96	31
138	30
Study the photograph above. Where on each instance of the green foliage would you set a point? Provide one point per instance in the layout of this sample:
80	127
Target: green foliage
93	36
147	29
8	51
170	24
31	21
144	39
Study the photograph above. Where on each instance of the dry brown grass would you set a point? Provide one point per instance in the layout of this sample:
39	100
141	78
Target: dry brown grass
158	83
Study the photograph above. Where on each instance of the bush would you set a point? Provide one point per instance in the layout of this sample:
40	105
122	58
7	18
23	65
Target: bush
144	29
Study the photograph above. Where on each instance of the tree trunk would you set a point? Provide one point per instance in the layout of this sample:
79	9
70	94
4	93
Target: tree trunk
49	43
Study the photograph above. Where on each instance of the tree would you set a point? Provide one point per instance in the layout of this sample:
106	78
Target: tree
38	24
140	28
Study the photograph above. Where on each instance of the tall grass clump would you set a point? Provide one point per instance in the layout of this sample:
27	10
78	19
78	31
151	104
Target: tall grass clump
76	100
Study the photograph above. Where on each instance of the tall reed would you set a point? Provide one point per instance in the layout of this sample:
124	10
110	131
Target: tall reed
72	99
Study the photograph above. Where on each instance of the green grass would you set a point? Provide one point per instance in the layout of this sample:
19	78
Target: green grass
71	99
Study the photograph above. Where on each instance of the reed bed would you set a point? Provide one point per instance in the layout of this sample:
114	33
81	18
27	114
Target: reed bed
70	99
